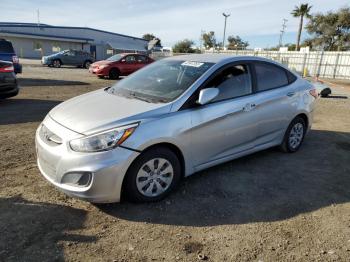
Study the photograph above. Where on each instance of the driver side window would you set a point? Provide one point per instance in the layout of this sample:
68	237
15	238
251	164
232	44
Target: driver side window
233	81
130	59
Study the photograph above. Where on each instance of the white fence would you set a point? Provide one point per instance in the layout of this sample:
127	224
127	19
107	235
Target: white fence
325	64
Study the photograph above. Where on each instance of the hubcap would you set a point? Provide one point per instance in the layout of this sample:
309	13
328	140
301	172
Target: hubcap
87	64
296	135
154	177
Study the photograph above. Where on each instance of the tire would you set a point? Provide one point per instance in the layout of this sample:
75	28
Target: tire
142	176
114	73
326	92
56	63
294	135
87	64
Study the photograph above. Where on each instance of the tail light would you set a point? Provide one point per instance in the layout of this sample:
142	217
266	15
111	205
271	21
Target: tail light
7	69
314	93
15	59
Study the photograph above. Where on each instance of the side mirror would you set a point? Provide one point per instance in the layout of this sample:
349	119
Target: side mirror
206	95
123	60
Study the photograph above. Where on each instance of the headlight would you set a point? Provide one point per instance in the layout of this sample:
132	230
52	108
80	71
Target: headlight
102	66
103	141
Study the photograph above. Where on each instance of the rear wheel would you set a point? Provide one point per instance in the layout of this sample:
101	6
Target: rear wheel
294	135
153	175
87	64
56	63
114	73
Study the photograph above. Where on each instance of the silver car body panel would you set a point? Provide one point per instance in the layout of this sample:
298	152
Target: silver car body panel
205	135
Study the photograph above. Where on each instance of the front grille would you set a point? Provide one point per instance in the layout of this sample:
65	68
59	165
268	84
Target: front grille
49	137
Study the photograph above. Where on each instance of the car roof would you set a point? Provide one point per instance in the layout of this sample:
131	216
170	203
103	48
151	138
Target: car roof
217	58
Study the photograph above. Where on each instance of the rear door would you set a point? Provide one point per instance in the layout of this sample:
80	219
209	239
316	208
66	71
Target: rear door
141	61
227	126
277	98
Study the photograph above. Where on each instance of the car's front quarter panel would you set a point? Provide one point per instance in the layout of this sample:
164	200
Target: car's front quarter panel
172	128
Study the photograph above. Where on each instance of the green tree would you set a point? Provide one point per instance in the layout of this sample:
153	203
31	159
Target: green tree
330	31
301	11
235	42
209	39
184	46
150	37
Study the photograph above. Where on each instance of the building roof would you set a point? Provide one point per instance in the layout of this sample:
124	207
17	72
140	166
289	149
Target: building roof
126	46
45	36
33	25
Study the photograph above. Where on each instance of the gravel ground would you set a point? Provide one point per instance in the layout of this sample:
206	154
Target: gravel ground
268	206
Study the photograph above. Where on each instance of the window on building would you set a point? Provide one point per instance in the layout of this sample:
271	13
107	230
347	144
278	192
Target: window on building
37	46
56	47
110	51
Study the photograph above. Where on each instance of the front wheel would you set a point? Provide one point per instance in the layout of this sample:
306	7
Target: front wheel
153	175
56	63
114	73
294	135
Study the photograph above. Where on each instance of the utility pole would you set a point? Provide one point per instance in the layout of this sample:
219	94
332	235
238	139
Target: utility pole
201	40
282	31
38	16
223	40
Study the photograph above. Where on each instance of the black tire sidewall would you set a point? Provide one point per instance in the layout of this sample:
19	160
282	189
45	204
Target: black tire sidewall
86	63
59	63
114	73
130	189
286	137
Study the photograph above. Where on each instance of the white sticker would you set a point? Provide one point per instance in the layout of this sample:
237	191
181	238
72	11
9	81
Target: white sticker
191	63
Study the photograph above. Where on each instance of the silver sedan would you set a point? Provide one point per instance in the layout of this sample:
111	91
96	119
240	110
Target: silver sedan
173	118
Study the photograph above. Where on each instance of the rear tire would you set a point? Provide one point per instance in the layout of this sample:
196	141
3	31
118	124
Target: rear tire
56	63
294	135
152	176
114	73
87	64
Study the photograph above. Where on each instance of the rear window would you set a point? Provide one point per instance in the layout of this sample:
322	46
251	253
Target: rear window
269	76
6	47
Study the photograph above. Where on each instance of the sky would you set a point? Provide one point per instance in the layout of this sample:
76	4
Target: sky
257	21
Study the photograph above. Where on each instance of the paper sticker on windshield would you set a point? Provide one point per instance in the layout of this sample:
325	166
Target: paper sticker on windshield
191	63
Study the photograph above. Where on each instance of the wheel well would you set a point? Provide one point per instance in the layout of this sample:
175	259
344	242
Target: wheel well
114	68
304	117
59	59
170	146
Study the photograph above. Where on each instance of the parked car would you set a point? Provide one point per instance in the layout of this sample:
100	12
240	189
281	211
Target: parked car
169	120
119	65
7	53
8	81
69	57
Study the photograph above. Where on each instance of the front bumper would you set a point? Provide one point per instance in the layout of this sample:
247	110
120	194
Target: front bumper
99	72
57	161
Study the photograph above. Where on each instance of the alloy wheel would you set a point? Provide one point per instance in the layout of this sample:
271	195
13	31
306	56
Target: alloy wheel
296	135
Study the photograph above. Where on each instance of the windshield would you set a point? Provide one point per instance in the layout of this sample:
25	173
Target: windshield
160	82
115	57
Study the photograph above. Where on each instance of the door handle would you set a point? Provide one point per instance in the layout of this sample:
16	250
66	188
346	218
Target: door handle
248	107
290	94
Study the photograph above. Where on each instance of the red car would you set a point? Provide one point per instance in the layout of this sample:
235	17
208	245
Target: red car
119	65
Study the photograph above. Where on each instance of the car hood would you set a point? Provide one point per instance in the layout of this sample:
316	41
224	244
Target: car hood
98	111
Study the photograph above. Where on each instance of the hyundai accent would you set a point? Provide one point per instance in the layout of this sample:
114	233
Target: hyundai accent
172	118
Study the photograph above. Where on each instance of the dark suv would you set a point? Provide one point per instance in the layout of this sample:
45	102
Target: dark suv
69	57
8	81
7	53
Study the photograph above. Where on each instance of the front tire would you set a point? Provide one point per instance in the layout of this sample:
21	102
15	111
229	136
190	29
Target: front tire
114	73
294	135
152	176
56	63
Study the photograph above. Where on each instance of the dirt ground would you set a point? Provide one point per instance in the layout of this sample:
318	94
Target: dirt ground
269	206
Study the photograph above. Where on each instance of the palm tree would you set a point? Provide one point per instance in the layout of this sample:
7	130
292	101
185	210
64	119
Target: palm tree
301	11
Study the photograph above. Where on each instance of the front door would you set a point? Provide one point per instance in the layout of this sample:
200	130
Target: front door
226	126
